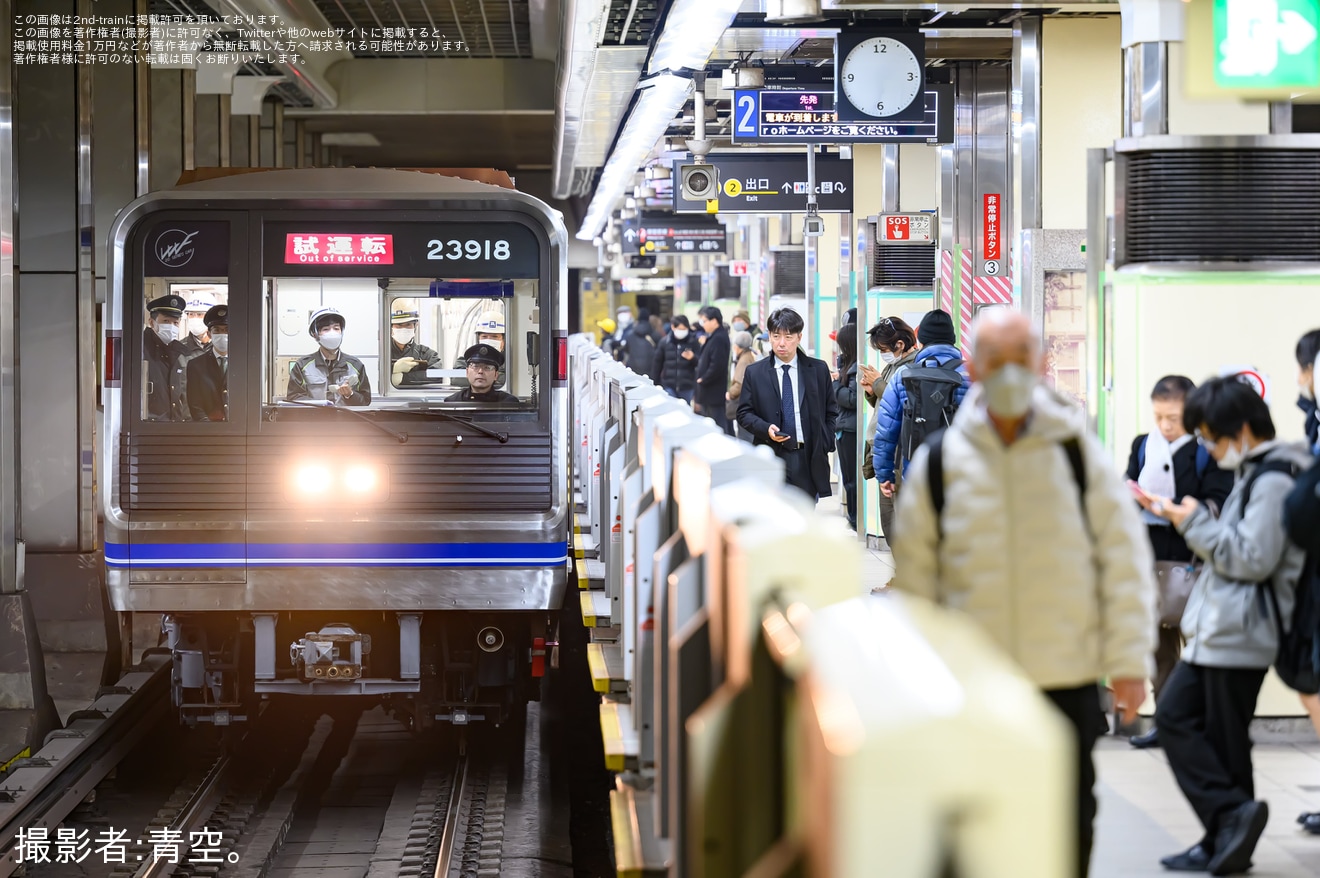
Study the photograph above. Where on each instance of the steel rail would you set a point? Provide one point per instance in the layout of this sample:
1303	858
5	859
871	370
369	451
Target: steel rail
198	807
449	837
41	791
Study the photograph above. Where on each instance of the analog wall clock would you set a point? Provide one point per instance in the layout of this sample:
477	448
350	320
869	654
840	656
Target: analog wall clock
880	76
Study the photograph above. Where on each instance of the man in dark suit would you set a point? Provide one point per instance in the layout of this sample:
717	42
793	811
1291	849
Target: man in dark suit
208	372
786	404
713	368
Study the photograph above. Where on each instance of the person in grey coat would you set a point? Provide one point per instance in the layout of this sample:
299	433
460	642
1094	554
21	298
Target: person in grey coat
1231	630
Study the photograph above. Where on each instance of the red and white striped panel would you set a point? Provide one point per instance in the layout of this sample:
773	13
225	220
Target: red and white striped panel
946	287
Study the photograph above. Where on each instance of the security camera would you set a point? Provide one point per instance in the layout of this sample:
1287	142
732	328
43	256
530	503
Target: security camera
699	182
813	226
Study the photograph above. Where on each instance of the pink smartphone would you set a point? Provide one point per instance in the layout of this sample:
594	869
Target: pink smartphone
1138	492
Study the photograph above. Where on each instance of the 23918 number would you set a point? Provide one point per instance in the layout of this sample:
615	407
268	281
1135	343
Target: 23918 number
469	250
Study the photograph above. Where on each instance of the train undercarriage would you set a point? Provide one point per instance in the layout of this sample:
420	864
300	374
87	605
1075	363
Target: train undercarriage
428	668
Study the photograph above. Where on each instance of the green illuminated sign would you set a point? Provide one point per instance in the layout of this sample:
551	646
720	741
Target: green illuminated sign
1267	44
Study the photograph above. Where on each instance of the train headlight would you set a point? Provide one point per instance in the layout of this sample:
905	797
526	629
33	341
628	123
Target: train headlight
360	479
329	483
312	479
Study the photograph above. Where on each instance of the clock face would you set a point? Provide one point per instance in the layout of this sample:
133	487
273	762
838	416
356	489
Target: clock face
881	77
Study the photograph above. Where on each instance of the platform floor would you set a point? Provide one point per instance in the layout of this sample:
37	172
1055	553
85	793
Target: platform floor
1143	816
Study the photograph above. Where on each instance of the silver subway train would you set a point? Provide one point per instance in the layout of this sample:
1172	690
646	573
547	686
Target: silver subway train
333	505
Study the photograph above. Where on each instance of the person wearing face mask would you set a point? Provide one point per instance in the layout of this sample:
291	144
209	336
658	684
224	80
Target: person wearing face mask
1308	386
897	344
1015	516
1230	621
674	367
743	356
329	374
409	359
208	374
166	396
194	335
899	410
490	331
1170	463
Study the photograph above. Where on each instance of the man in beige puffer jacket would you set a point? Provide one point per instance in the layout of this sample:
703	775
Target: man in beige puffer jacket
1063	583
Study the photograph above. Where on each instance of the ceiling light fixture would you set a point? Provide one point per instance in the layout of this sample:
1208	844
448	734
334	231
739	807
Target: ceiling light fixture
692	30
660	99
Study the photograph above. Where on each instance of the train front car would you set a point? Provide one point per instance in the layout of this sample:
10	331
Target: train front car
335	402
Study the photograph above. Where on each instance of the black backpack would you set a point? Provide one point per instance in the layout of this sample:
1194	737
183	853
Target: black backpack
1298	661
932	393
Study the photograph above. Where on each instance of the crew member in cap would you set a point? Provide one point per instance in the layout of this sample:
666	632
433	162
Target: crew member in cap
490	331
409	360
193	329
166	397
329	374
208	373
484	363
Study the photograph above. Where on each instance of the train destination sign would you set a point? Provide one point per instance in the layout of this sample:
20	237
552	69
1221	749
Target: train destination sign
674	234
807	116
774	183
422	249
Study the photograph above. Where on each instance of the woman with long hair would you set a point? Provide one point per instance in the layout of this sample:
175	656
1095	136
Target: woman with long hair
845	393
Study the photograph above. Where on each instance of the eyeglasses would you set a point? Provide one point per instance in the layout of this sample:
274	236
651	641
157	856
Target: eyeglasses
482	368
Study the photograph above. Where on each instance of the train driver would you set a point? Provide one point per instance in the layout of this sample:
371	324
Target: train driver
208	373
483	364
329	374
163	356
490	331
409	359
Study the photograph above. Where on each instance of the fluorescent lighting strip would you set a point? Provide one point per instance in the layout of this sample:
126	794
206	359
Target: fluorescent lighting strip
692	30
659	102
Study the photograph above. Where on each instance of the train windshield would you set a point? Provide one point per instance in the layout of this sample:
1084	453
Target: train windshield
384	343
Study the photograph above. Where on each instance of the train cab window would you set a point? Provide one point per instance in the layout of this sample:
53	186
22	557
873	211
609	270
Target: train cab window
402	342
185	342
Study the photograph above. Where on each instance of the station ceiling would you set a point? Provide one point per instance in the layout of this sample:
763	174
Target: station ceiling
494	102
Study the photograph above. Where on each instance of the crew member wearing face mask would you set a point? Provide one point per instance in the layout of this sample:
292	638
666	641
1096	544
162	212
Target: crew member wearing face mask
1230	622
1308	386
208	374
166	397
409	359
1036	539
329	374
490	331
193	329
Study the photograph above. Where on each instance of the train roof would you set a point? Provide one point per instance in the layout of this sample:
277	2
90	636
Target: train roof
348	181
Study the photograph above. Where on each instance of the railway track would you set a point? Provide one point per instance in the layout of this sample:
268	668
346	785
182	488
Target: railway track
341	794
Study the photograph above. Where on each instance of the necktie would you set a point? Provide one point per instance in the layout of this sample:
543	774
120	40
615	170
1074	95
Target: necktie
788	409
224	365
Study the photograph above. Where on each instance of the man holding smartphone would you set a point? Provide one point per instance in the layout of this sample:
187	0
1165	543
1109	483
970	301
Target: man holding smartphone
786	404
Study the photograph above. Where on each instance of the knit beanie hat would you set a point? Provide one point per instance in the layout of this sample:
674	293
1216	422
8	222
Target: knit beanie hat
936	328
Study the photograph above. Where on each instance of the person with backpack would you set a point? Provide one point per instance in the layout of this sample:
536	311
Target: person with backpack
918	400
1241	604
640	344
1302	511
1015	516
1171	463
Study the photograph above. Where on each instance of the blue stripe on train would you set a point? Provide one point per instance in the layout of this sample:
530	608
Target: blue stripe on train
336	554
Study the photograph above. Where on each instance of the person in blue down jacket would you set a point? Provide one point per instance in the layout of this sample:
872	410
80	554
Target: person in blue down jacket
938	346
